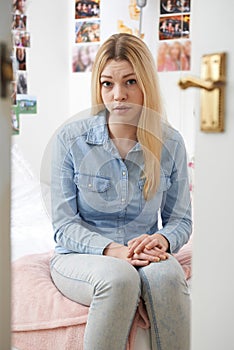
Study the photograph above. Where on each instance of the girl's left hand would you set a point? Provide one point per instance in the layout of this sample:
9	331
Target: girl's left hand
155	245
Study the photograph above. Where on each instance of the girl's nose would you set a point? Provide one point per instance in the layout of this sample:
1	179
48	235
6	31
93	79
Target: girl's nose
120	93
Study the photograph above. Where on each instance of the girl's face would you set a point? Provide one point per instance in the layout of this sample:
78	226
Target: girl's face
120	91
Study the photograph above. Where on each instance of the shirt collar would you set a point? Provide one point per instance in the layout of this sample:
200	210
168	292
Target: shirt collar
98	132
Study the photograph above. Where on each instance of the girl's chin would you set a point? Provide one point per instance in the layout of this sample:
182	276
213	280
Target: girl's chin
120	117
124	113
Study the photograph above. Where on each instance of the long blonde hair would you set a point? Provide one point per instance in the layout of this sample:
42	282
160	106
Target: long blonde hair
149	130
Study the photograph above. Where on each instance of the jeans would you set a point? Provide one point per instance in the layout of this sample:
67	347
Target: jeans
112	288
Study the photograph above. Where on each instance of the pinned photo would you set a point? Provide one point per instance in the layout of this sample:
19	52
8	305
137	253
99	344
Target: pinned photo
21	39
19	6
174	27
22	86
19	22
13	93
174	6
83	58
174	56
87	32
25	39
27	104
20	54
15	120
87	9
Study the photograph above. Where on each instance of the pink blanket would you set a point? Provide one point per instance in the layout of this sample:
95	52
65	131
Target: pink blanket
43	319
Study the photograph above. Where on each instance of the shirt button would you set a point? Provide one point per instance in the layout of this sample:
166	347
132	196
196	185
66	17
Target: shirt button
124	173
123	200
89	185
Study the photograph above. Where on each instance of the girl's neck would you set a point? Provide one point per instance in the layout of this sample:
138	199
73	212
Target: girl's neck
123	137
119	131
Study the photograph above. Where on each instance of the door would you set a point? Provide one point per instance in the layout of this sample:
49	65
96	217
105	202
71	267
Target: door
5	132
213	276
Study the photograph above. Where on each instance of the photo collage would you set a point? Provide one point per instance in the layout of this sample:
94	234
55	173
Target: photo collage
87	35
174	49
22	102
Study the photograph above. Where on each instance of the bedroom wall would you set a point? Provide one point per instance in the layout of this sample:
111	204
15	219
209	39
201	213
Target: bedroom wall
61	93
48	71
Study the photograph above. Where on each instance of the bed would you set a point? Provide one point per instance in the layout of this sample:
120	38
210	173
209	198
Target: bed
42	318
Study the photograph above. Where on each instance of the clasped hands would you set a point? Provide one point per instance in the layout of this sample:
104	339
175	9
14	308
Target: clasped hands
142	250
147	248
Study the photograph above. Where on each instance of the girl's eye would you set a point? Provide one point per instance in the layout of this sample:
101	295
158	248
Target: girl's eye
106	83
131	82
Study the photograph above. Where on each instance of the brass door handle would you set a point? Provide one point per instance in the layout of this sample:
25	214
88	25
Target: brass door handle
208	85
6	74
212	83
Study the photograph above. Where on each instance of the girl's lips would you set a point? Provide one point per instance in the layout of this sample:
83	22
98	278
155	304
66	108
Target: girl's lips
121	108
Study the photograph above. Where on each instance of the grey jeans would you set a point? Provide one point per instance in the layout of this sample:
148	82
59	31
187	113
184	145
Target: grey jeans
112	288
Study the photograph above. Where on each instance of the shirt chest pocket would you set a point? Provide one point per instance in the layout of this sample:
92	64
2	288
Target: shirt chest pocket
92	183
94	188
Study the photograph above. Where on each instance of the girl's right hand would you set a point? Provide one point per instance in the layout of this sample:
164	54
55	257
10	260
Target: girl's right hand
122	252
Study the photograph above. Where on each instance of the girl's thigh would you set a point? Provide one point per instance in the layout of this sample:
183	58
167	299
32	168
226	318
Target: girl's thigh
79	276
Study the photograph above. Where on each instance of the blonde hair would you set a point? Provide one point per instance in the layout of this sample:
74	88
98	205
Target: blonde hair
149	130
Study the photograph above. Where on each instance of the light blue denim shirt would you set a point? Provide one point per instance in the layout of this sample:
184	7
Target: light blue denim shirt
97	198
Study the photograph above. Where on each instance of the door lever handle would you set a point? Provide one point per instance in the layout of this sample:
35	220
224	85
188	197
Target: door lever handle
208	85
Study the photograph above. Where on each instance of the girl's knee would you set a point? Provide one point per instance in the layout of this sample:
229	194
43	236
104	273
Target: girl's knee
121	282
124	274
164	273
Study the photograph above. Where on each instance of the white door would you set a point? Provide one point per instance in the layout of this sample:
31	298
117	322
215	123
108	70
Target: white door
5	132
213	265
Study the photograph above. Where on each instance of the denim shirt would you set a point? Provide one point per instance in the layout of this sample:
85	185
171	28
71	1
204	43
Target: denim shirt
97	197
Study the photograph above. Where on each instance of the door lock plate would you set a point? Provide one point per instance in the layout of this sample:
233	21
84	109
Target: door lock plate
213	68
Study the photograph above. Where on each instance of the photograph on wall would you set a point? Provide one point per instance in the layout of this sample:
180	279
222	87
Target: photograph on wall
21	38
174	6
87	9
19	22
27	104
174	27
83	57
16	38
25	39
22	84
15	120
174	56
20	58
87	31
13	90
19	7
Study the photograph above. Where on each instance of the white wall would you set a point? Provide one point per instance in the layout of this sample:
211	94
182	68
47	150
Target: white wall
61	93
48	71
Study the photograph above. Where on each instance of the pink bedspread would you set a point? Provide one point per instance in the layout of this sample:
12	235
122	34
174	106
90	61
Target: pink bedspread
43	319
